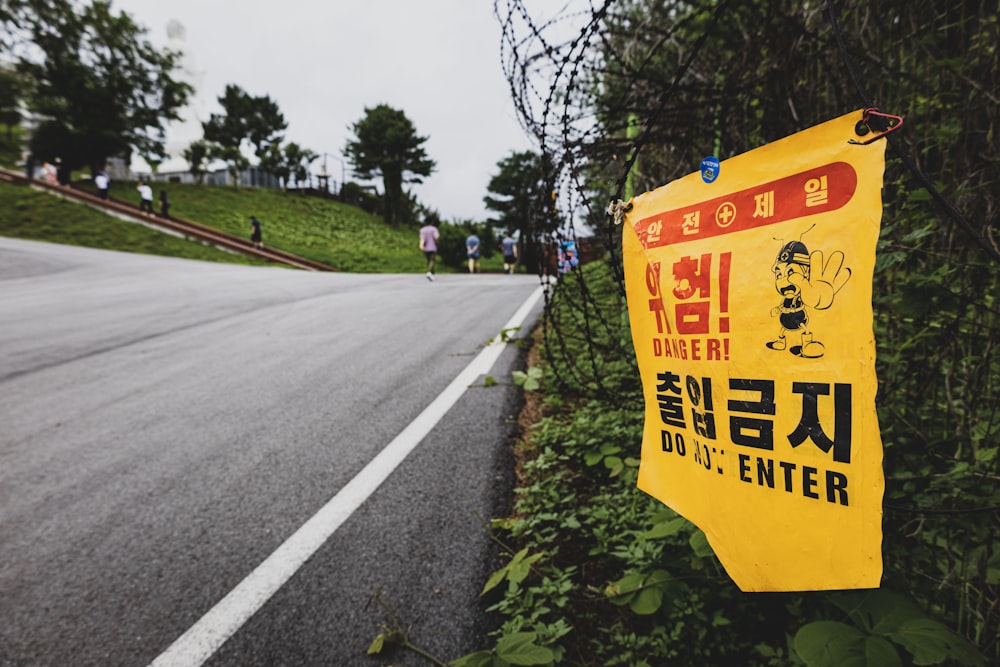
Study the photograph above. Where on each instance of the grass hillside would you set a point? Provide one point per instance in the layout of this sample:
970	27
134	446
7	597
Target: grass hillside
342	236
26	213
339	235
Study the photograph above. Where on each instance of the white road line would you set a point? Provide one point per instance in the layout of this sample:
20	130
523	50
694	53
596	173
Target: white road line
205	637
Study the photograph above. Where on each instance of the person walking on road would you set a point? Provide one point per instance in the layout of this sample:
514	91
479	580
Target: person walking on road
429	236
509	245
145	197
472	250
255	233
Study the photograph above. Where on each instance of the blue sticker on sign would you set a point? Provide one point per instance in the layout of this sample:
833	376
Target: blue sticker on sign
710	169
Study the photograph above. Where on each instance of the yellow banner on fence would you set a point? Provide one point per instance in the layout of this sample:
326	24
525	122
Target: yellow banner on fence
749	292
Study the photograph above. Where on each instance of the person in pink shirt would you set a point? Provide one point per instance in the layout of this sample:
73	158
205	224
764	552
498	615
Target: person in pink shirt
429	236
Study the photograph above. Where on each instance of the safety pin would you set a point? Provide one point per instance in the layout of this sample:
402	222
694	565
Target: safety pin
891	123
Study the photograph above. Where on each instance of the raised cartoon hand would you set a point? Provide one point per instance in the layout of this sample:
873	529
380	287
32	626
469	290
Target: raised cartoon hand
825	279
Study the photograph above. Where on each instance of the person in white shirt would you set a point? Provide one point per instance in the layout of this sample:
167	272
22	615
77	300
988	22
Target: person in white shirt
103	183
145	197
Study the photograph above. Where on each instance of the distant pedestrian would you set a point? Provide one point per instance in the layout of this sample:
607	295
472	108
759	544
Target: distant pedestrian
509	245
569	259
255	233
164	204
429	236
29	167
145	197
103	184
472	250
49	173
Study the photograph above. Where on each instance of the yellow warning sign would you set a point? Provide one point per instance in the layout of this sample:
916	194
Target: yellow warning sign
749	291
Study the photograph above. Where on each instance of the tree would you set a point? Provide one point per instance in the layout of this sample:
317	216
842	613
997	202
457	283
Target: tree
298	160
227	131
100	88
257	121
519	195
265	124
290	162
197	155
386	145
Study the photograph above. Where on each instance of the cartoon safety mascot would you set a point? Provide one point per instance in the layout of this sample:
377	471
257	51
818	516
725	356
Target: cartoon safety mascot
804	282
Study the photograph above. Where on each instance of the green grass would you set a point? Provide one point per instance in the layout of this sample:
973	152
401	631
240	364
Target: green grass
39	216
341	236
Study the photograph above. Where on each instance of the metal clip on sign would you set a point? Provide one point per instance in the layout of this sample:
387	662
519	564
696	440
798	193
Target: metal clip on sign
874	120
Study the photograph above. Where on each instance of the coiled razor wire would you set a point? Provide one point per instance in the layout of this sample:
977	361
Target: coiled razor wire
557	62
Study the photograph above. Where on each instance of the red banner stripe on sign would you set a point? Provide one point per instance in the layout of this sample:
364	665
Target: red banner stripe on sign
818	190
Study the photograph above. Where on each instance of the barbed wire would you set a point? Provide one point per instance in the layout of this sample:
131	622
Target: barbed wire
556	63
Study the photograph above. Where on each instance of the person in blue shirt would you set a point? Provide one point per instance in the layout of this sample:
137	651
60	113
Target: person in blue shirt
509	246
472	250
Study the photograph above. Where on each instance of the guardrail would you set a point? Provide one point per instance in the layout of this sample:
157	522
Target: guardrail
187	228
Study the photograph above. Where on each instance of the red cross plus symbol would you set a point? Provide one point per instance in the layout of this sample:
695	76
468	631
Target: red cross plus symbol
725	214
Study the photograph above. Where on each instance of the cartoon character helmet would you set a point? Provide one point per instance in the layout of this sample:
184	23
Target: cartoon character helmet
793	252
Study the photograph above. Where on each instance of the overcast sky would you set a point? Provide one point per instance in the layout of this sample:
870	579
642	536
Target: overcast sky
325	61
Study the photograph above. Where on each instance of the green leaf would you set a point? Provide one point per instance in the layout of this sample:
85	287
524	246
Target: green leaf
520	649
879	611
529	381
986	455
830	644
506	334
520	566
390	637
881	653
931	643
659	578
699	543
614	464
665	529
515	571
376	646
622	591
495	579
647	601
478	659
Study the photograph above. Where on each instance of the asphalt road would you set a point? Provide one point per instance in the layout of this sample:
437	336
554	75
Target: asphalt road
166	426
